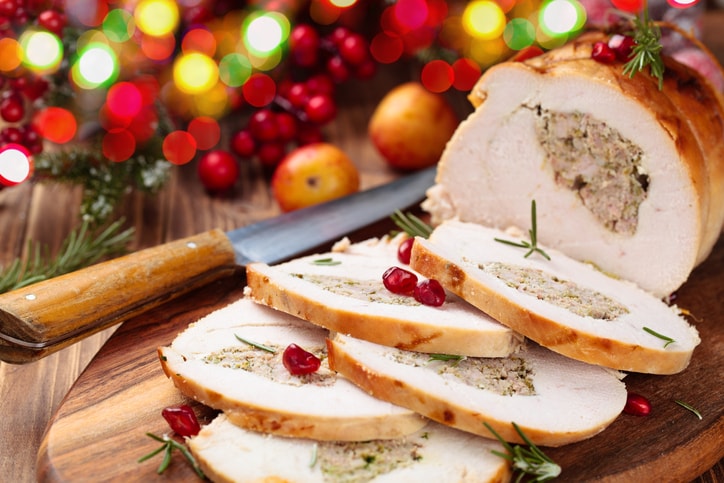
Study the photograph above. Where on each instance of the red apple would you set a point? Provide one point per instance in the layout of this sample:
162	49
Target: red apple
313	174
411	126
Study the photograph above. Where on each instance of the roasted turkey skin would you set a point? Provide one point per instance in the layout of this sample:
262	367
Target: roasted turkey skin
625	175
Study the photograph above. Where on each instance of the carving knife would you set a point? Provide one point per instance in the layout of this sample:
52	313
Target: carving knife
42	318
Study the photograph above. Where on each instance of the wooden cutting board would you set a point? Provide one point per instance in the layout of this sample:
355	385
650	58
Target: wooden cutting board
99	431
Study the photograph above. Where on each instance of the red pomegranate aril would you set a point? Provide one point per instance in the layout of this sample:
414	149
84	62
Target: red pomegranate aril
404	251
602	53
637	405
399	281
300	362
182	420
622	45
430	292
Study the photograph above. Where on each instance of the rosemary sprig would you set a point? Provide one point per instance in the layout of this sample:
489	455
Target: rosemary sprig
668	340
256	344
169	444
411	224
688	406
326	261
81	248
447	357
527	460
647	50
532	246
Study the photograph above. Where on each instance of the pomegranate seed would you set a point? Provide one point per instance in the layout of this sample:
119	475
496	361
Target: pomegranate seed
622	45
182	420
400	281
603	53
430	292
637	405
405	250
299	362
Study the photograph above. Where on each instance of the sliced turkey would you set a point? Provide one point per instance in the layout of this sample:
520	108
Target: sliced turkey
568	306
228	453
625	175
215	362
553	399
343	291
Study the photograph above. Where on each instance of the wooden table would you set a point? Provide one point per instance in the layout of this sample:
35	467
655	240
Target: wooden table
29	394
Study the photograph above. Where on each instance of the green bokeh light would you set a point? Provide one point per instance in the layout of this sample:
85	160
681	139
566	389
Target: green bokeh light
234	69
119	25
96	66
519	33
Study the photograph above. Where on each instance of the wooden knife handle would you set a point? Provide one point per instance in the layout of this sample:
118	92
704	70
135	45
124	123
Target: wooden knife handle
39	319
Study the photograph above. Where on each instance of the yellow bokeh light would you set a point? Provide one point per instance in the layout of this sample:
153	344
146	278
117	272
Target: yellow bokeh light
195	73
484	20
157	17
344	3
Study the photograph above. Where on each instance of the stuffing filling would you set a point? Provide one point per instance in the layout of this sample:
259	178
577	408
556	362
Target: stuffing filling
367	290
506	376
269	364
593	159
357	462
544	286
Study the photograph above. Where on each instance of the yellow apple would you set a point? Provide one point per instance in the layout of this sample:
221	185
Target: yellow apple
411	126
313	174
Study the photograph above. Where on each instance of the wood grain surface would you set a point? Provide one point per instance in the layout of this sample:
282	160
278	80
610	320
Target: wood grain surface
30	394
101	424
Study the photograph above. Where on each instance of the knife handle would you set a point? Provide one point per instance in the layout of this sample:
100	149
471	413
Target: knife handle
41	318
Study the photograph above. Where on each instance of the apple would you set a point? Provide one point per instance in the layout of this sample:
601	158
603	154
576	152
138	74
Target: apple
313	174
411	126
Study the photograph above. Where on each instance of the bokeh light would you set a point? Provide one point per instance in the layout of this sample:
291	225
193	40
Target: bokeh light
206	132
343	3
97	65
199	40
437	76
519	33
55	124
483	19
158	48
682	3
42	51
10	54
124	100
87	12
179	147
386	48
263	34
466	74
157	17
16	164
259	90
410	14
195	73
234	69
118	146
561	17
119	25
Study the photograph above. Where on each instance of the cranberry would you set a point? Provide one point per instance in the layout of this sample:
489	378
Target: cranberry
339	34
263	125
304	45
182	420
287	126
320	109
9	7
366	70
218	170
298	95
12	108
320	84
430	292
271	153
405	250
243	144
309	134
12	134
338	69
353	49
299	362
637	405
602	53
400	281
53	21
622	45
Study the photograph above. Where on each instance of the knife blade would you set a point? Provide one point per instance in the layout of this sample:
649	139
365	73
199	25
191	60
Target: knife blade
42	318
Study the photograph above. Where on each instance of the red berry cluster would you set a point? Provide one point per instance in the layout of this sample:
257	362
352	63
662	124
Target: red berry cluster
303	105
619	48
20	91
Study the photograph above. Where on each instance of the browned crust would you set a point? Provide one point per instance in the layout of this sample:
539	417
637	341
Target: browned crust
450	413
280	423
552	334
389	331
